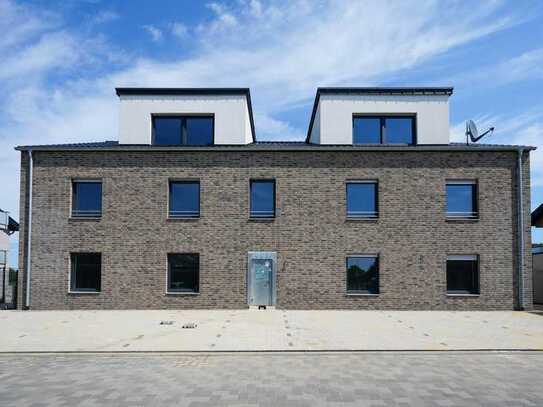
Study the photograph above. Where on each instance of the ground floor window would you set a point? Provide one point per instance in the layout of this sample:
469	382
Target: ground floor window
363	274
183	272
86	272
463	274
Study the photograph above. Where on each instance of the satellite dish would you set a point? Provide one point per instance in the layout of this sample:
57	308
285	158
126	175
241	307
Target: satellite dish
473	133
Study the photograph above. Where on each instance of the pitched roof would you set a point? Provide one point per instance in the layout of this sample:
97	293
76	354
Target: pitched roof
537	216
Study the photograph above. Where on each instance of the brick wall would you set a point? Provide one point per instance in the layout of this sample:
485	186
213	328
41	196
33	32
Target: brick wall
310	234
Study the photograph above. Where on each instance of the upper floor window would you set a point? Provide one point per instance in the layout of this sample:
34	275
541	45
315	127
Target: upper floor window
85	274
183	130
383	129
362	199
462	199
463	274
262	199
86	199
184	199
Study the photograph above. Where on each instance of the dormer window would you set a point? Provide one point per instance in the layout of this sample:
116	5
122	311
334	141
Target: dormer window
183	130
386	129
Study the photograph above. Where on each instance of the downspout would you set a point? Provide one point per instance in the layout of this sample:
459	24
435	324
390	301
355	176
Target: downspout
520	216
29	223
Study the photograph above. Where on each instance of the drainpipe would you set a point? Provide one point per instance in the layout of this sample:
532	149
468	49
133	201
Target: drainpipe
29	223
520	206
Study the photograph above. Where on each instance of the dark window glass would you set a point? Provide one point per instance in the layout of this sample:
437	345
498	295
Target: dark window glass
362	199
463	275
262	198
399	130
184	199
183	130
183	272
167	130
199	131
383	130
366	130
86	272
363	274
87	199
462	200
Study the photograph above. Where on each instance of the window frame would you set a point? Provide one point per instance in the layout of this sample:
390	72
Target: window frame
183	136
366	293
362	181
474	215
463	293
75	181
184	181
255	180
382	136
71	271
168	276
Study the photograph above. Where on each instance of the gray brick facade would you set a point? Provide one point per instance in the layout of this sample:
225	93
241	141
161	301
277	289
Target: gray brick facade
310	234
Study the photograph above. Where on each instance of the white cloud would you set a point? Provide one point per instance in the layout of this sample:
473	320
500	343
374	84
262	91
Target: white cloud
179	30
154	32
105	16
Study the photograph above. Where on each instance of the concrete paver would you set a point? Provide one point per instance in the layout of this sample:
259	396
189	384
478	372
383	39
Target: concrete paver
280	379
269	330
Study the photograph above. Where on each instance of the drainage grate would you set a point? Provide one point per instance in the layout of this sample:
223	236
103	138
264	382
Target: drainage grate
166	322
189	325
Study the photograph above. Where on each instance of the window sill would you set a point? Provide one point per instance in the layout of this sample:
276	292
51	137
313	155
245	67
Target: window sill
181	219
83	292
462	295
261	219
181	293
461	219
361	219
361	295
84	218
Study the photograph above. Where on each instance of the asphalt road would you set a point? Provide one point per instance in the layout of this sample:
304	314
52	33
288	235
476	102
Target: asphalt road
274	379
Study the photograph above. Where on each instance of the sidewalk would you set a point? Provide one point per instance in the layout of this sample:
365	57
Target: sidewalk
269	330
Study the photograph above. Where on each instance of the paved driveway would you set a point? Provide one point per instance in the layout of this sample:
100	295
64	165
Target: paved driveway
275	380
252	330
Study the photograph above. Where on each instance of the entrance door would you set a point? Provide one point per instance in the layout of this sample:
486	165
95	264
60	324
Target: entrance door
261	271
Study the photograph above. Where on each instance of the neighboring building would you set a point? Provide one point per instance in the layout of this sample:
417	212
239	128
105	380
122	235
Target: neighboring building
377	209
8	226
537	252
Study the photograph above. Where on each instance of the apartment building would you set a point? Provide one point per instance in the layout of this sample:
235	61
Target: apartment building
376	209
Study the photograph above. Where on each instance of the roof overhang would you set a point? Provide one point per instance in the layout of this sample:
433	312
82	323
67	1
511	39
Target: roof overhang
537	217
392	91
193	92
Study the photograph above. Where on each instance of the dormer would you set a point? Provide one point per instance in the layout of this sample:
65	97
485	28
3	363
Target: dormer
185	116
377	116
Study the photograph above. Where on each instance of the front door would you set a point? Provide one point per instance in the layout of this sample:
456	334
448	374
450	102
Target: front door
261	278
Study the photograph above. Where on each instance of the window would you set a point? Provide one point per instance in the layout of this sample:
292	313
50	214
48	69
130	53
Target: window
183	273
363	274
383	130
362	199
463	274
462	199
262	199
183	130
184	199
86	199
85	275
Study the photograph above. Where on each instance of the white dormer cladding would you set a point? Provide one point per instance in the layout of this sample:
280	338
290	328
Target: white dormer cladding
332	118
230	108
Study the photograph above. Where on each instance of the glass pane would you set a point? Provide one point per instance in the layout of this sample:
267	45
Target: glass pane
363	274
262	198
85	272
199	131
184	199
399	130
87	199
461	200
362	199
366	130
462	276
183	275
167	130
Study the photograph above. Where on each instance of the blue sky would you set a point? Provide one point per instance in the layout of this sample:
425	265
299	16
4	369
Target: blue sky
62	59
